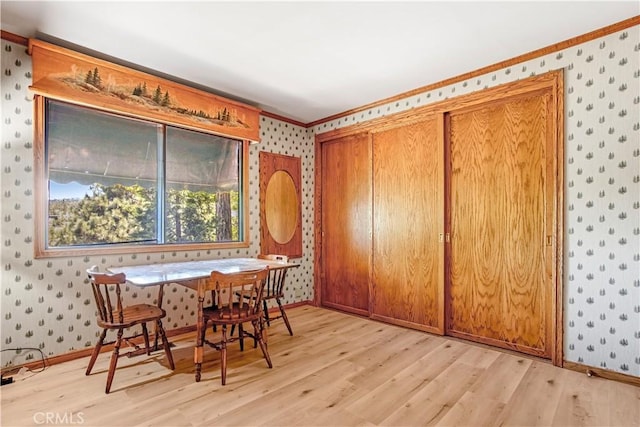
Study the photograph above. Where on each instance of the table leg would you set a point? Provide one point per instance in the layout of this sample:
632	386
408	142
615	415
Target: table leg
160	298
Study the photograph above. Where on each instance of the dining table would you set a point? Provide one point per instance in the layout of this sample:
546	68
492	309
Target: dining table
188	273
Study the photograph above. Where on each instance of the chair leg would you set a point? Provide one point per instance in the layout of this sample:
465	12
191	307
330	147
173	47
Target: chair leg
266	311
240	335
145	333
255	340
264	333
284	316
165	344
114	360
223	355
199	350
257	327
96	351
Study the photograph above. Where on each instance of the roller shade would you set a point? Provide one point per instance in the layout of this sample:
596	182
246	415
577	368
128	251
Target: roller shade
89	147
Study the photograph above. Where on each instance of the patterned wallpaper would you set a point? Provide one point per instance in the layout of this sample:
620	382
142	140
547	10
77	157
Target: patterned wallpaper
602	190
47	303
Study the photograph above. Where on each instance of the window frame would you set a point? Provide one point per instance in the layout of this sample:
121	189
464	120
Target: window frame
41	196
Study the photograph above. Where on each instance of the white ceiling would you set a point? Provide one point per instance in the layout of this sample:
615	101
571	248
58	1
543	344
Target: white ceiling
310	60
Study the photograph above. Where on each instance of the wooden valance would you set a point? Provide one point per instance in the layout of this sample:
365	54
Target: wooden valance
74	77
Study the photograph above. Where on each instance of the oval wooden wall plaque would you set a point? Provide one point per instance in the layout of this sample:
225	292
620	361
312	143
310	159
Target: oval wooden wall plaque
281	207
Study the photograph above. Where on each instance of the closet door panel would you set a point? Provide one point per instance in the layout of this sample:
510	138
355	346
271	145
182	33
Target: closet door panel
407	280
346	223
498	290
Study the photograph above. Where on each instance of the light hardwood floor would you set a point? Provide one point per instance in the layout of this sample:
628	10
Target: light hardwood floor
337	370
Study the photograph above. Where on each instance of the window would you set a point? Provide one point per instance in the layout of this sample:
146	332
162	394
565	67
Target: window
118	184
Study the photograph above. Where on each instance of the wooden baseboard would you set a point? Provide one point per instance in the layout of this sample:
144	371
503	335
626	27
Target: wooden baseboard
406	324
292	305
345	309
603	373
86	352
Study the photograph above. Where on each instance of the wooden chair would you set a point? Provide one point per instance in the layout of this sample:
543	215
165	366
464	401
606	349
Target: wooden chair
274	290
112	315
237	299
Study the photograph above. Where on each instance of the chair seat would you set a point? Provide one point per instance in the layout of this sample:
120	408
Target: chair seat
231	313
133	315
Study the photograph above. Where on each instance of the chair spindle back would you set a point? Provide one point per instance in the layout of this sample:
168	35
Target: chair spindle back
275	281
243	290
106	287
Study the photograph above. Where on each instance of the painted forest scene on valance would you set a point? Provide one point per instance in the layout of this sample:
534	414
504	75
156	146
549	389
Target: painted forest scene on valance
70	76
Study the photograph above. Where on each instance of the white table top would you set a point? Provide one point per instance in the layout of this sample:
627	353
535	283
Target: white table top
182	272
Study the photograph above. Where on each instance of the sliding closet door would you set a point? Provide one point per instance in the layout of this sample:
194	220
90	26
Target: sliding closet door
501	210
408	220
346	223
